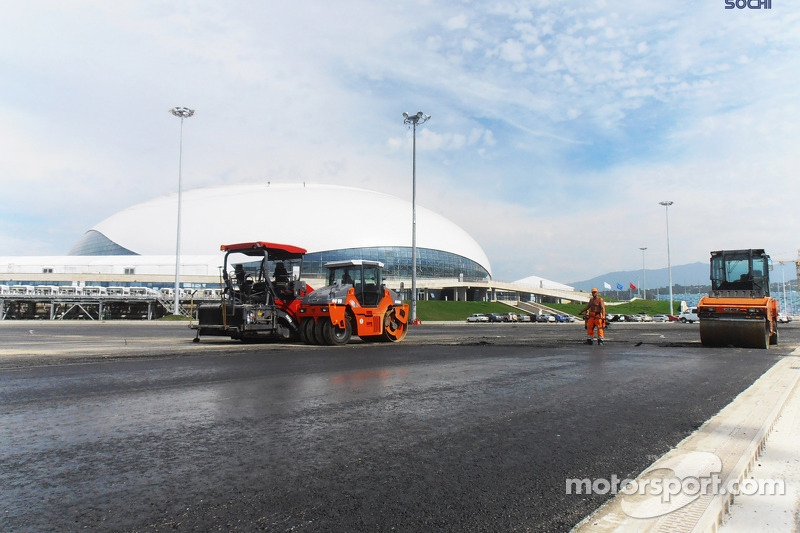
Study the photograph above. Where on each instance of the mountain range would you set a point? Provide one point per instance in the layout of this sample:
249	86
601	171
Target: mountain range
691	274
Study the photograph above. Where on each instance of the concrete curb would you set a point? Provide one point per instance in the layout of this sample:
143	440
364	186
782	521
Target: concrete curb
726	446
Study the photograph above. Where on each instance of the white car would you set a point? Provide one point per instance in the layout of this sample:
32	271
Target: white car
689	315
660	318
477	317
784	318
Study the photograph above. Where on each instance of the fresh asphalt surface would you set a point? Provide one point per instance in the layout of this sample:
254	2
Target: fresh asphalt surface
131	426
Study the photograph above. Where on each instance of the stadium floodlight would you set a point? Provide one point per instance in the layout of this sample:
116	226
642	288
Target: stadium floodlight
644	276
666	205
414	121
181	113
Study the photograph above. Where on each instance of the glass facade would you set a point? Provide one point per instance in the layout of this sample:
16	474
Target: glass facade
396	259
397	263
95	243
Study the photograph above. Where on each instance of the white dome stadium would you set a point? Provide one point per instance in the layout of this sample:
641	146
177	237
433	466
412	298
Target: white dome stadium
319	218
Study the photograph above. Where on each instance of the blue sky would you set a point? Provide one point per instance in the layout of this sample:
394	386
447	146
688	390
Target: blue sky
557	126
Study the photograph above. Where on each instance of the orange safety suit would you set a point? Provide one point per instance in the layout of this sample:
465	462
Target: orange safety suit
596	317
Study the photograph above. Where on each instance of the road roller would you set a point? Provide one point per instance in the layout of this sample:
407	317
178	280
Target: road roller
739	310
355	302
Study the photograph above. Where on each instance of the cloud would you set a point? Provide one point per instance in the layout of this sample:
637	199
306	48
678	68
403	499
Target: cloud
512	51
543	112
430	141
457	22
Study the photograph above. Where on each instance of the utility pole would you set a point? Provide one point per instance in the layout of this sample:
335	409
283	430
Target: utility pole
644	276
414	121
666	205
182	113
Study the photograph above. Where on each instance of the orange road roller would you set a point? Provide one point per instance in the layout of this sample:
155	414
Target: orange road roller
739	310
355	302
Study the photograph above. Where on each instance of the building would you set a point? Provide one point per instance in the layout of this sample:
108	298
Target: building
331	222
136	246
536	281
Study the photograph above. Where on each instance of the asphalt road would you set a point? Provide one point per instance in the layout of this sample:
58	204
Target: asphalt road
122	426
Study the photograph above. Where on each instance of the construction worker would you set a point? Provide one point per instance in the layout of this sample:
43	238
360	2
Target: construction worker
595	317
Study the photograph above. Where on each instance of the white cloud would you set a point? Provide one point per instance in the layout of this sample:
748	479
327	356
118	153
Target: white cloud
469	45
429	140
458	22
596	23
512	51
541	110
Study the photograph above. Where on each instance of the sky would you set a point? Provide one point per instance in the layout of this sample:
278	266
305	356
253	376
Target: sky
556	127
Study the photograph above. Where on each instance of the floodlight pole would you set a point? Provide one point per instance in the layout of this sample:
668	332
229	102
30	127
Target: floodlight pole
644	276
666	205
181	113
783	272
414	120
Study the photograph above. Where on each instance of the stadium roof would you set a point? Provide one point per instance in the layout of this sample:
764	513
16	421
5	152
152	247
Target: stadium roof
315	217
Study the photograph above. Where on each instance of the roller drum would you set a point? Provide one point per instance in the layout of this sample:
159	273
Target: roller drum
740	333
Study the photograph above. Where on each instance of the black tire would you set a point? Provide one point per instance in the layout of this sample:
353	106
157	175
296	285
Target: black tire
335	335
308	331
301	330
319	330
683	320
773	338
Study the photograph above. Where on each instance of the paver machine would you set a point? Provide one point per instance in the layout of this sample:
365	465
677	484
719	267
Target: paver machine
739	311
261	294
355	302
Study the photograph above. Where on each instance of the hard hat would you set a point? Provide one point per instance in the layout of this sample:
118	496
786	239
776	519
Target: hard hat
594	289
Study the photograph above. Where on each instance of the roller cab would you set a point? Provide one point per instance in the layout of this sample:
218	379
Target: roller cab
739	310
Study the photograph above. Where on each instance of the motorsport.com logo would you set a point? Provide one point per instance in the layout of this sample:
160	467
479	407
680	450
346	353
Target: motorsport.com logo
750	4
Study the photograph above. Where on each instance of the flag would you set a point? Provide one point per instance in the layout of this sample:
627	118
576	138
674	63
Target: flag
619	286
607	286
633	286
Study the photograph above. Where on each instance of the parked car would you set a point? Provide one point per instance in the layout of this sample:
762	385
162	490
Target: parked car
784	318
633	318
477	317
495	317
646	317
510	317
565	318
660	318
524	318
544	317
689	315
